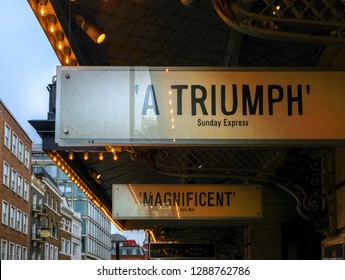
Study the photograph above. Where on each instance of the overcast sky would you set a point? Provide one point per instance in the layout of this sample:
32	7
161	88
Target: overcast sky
28	64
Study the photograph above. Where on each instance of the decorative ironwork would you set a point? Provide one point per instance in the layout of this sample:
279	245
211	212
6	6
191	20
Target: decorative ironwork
312	21
304	173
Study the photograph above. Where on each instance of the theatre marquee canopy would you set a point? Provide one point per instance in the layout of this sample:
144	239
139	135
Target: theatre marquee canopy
198	106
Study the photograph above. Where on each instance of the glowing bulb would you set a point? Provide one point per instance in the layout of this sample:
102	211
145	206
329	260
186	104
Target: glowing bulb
100	38
101	156
86	155
51	19
59	38
115	156
42	9
67	59
67	54
70	155
52	28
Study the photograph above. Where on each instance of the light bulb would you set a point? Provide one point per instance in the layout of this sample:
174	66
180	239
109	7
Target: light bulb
42	9
51	20
59	40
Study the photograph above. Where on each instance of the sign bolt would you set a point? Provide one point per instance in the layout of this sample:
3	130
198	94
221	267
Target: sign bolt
65	131
67	76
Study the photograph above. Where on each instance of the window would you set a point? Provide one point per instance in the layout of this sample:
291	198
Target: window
51	252
12	216
27	158
68	247
11	252
24	253
21	151
25	223
3	249
18	252
26	190
46	251
52	228
56	255
6	177
13	180
52	202
4	218
47	199
68	226
19	220
63	245
14	144
56	230
63	222
20	185
7	135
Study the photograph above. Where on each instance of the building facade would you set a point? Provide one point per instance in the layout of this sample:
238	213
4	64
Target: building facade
15	169
46	217
95	226
76	236
55	226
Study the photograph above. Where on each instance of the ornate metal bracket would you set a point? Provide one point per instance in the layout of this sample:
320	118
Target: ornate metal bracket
306	174
311	21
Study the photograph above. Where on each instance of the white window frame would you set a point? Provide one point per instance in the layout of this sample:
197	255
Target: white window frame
7	136
19	218
51	252
18	252
13	212
4	214
27	158
24	253
62	223
21	150
63	245
6	174
26	190
56	253
14	175
11	251
25	223
14	144
4	248
68	247
20	185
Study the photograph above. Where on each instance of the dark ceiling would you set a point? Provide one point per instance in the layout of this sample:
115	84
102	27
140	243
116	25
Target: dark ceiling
168	33
242	33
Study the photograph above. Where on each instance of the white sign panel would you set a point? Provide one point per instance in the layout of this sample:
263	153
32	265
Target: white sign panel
141	201
155	106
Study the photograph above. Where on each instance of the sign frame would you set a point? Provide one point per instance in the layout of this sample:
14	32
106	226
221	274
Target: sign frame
266	122
186	201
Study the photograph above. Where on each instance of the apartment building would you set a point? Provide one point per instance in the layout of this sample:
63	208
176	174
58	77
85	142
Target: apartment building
15	169
95	226
70	229
45	216
55	226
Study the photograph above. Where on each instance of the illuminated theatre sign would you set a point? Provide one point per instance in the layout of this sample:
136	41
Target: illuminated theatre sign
144	201
198	106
